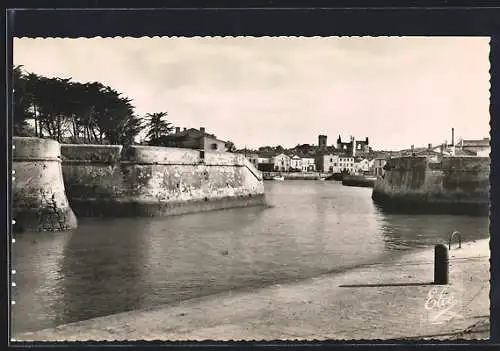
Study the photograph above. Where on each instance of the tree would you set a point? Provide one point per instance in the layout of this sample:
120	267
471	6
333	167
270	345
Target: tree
266	149
157	126
115	117
230	147
20	103
84	112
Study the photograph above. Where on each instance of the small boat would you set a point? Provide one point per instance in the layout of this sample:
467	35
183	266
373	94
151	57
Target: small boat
280	178
267	176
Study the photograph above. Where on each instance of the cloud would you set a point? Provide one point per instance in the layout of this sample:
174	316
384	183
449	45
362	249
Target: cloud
259	91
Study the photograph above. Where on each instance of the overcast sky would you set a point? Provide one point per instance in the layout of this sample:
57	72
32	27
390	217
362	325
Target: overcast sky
286	91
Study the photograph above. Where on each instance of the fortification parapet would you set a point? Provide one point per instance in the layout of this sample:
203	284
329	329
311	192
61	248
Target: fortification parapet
146	180
444	184
39	199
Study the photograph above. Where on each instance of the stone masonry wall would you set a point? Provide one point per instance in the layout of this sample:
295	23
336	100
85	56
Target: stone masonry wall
39	199
144	180
448	180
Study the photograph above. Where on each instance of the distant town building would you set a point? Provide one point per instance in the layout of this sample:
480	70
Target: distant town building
193	139
327	163
265	162
308	164
479	147
299	163
296	163
253	158
471	148
361	165
353	146
322	141
377	166
281	162
346	164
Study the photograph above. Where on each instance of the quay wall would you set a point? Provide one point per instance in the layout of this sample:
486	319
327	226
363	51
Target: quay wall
39	198
146	180
445	184
296	175
358	180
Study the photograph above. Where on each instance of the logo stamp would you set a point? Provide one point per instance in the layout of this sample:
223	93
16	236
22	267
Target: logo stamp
442	304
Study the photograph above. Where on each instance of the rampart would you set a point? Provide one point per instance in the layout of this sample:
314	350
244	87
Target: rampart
444	184
39	199
155	181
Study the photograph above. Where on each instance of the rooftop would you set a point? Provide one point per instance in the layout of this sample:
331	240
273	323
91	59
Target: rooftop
485	142
192	132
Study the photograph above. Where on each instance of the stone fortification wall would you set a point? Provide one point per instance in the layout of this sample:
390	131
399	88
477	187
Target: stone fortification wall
145	180
39	199
451	184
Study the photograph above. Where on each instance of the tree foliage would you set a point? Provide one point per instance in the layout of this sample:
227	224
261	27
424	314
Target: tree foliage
230	147
69	111
157	127
21	103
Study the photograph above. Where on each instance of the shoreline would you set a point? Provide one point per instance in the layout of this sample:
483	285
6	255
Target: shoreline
329	306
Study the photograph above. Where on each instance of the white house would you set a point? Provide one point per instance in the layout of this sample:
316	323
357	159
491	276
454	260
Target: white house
264	160
253	158
484	153
308	164
480	146
346	164
281	162
362	165
296	163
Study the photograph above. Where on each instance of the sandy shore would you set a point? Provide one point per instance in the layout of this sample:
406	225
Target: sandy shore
391	300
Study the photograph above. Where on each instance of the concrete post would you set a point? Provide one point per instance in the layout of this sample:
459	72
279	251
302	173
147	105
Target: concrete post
441	265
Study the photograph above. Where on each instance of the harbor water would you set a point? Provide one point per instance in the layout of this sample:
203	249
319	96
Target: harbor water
108	266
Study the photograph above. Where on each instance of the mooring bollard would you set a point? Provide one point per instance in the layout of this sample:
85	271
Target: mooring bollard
441	264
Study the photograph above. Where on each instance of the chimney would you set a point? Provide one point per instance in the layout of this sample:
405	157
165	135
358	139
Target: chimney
185	128
452	136
177	130
429	146
202	130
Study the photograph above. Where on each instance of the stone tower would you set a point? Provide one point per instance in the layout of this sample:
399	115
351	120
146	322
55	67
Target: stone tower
322	141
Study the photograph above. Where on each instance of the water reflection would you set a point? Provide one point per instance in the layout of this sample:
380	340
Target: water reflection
312	227
102	266
402	232
198	254
38	261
